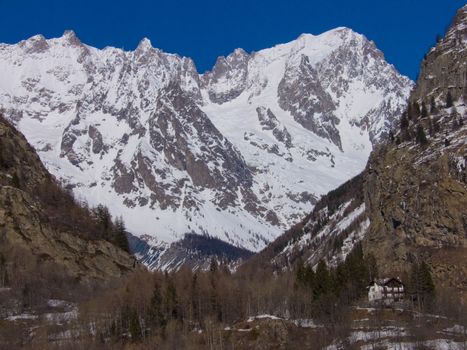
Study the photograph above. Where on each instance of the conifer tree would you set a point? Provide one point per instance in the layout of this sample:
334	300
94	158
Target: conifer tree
104	220
322	285
431	128
415	111
372	267
449	101
436	126
15	180
427	285
424	112
171	306
421	285
420	136
195	297
404	122
156	316
305	275
3	272
120	235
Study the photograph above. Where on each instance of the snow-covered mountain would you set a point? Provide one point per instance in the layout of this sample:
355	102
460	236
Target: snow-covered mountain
239	153
409	204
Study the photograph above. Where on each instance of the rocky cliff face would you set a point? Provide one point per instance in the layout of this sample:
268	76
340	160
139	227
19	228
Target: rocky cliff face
418	209
410	203
444	68
416	194
238	153
26	225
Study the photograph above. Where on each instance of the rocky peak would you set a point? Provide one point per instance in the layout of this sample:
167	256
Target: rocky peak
35	44
416	190
212	153
69	36
444	67
409	204
227	80
144	45
313	110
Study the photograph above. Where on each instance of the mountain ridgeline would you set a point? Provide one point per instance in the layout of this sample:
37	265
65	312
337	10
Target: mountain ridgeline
409	204
163	145
238	153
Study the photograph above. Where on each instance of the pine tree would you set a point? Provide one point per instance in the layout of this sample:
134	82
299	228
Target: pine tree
120	235
156	316
421	285
415	111
15	182
322	285
449	101
420	136
171	306
104	220
357	267
404	122
372	267
3	272
305	275
427	285
195	297
424	112
436	126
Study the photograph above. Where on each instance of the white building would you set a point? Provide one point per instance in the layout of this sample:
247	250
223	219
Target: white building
386	291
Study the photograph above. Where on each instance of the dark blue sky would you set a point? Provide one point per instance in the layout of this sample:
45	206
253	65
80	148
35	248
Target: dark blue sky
203	30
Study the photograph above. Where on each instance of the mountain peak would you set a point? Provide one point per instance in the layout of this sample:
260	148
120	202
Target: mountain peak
70	37
153	139
330	39
34	44
144	44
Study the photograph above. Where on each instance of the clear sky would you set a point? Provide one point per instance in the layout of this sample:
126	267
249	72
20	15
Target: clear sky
203	30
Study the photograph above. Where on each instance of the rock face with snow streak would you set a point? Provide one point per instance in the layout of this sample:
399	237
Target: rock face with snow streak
238	153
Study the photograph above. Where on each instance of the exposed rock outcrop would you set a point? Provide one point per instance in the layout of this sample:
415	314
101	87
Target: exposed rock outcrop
25	224
410	203
239	152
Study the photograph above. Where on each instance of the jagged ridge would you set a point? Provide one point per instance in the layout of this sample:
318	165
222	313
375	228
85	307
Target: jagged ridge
238	153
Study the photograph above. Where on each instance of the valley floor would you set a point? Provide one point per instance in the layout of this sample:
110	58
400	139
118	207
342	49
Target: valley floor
57	326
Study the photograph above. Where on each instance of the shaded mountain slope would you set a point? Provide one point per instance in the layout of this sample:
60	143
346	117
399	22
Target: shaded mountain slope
44	222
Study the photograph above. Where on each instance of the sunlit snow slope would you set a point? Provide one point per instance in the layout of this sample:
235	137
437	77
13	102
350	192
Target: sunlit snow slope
240	152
